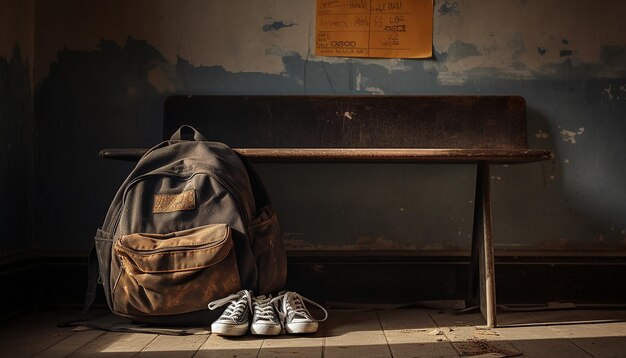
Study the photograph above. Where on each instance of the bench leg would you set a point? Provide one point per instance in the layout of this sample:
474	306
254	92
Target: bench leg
482	290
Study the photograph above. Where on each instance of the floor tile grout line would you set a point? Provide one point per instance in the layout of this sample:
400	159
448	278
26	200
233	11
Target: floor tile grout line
86	343
380	323
512	343
563	336
54	344
260	347
203	343
146	346
57	342
577	313
574	343
458	351
200	346
73	343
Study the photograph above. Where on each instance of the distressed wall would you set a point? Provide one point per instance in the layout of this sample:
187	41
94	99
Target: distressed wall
103	70
16	126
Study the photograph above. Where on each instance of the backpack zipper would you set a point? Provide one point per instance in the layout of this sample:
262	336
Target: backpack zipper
178	248
223	182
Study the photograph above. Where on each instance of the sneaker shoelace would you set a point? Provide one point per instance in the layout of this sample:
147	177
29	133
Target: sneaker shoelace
263	308
239	302
291	304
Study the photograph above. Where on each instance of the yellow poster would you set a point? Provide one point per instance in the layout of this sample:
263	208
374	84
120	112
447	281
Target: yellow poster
374	28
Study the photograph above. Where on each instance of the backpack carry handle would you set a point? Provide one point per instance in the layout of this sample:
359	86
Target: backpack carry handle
186	132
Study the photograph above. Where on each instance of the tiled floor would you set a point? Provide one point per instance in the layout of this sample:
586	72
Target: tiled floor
390	333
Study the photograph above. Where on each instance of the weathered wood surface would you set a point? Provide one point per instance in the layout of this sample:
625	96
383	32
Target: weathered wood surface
343	329
396	155
510	156
397	333
463	129
466	122
116	344
411	333
173	346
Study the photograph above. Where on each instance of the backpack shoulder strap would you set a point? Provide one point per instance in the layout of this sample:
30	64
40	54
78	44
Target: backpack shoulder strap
261	197
93	276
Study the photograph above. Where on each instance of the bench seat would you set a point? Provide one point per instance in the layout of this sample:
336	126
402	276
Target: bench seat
481	130
494	156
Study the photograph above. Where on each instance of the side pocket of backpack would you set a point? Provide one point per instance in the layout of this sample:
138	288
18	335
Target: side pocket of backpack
104	243
269	250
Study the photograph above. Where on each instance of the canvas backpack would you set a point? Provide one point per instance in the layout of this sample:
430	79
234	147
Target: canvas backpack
192	223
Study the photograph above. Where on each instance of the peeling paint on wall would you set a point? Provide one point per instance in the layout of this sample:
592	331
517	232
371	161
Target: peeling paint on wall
570	136
113	90
243	36
448	8
534	24
276	25
253	36
459	50
608	91
361	85
615	93
204	33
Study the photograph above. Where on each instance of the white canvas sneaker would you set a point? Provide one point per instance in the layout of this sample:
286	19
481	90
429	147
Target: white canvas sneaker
294	314
236	318
265	321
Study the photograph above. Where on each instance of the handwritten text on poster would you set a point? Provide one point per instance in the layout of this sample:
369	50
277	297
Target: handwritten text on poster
374	28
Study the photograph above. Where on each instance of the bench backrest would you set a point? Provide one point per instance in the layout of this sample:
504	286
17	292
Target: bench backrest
464	122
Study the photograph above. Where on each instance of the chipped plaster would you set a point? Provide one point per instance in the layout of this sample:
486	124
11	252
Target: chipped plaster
570	136
523	40
541	135
476	38
202	32
240	36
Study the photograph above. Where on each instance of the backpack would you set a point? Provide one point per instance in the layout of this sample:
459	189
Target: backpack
192	223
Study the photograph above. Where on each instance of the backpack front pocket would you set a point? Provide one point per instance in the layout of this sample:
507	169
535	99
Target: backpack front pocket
178	272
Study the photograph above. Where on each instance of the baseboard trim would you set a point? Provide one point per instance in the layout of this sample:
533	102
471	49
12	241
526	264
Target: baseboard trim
59	279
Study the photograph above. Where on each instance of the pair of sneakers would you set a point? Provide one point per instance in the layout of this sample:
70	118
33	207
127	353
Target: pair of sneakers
265	315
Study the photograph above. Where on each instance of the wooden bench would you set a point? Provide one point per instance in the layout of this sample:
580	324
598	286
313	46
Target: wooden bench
440	129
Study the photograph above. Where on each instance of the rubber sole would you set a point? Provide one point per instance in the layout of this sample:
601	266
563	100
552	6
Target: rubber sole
265	329
301	328
230	330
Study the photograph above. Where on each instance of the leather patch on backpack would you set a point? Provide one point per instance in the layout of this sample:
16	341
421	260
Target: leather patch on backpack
167	203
